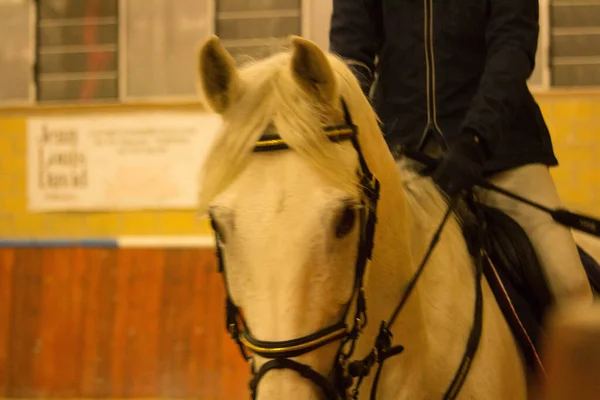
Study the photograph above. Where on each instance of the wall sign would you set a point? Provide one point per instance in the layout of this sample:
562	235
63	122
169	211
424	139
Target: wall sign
117	162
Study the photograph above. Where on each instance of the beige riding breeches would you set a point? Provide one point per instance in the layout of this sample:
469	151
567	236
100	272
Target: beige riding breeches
553	243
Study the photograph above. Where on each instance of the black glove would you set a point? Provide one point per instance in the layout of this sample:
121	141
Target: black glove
462	165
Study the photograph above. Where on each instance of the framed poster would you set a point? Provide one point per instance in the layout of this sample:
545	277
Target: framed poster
117	162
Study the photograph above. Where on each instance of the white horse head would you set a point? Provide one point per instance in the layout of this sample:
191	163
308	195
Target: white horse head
288	227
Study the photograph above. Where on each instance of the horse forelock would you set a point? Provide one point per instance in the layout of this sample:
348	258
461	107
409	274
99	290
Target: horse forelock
270	95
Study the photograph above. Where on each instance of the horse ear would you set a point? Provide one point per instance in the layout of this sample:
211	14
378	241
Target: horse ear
219	79
312	71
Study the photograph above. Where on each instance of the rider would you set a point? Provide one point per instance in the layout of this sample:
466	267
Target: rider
453	75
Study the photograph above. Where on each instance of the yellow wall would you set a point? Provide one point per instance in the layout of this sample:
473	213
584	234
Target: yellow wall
16	222
574	121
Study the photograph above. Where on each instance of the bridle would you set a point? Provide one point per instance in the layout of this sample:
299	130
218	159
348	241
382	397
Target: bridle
280	352
344	372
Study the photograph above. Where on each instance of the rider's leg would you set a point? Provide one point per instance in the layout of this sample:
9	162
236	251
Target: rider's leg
553	243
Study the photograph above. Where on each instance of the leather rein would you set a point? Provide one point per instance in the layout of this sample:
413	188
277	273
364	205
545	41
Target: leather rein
280	353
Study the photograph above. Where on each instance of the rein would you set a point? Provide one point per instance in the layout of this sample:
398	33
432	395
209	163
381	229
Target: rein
344	373
383	350
564	217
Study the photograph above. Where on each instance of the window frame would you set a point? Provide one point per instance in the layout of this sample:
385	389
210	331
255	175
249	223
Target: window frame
33	50
544	49
305	21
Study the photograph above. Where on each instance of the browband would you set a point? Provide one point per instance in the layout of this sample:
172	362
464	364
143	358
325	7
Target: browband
271	140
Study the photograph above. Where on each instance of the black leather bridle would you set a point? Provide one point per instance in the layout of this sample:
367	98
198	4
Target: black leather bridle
339	383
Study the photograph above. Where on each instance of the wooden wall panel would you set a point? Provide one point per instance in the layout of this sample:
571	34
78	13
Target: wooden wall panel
99	304
25	317
6	265
115	323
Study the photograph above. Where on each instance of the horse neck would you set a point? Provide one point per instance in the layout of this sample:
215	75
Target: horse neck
439	307
393	262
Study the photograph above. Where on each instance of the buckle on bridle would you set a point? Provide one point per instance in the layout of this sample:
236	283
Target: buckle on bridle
370	181
370	185
233	330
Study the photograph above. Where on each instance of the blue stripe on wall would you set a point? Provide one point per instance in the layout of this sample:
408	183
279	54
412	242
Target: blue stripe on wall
91	242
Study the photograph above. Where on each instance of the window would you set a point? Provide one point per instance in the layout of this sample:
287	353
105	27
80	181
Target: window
254	29
77	57
575	43
114	50
73	51
118	50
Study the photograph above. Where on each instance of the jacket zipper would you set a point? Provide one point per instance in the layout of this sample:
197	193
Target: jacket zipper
432	127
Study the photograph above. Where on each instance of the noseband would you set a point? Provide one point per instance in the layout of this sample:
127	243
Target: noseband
280	353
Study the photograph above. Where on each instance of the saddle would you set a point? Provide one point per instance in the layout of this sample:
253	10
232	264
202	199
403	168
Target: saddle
515	276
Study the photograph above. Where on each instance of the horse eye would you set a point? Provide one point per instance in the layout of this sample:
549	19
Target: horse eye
345	222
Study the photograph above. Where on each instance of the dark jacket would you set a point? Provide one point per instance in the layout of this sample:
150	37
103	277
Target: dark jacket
446	67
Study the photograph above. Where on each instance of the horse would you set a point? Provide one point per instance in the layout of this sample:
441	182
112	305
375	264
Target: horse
293	185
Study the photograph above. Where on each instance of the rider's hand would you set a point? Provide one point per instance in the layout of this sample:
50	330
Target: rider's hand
461	166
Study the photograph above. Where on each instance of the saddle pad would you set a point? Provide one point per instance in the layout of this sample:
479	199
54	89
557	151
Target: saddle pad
515	258
514	275
517	281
